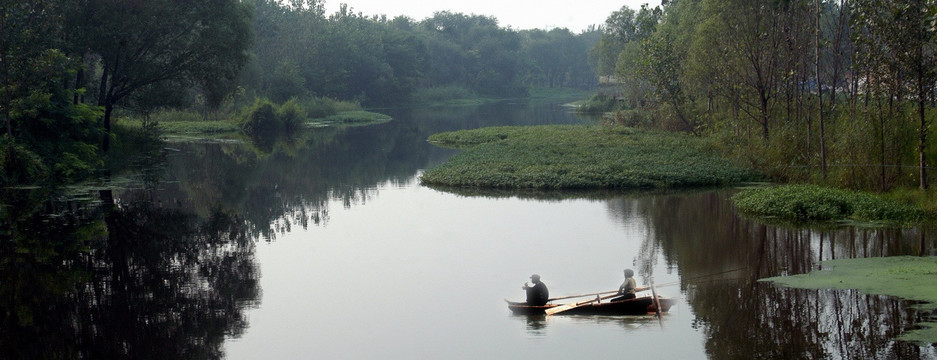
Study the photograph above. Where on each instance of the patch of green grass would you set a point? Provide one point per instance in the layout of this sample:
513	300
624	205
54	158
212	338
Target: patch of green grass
189	127
199	127
580	157
812	203
906	277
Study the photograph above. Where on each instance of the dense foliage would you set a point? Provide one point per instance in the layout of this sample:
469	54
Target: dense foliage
581	157
832	91
377	60
66	65
811	203
70	69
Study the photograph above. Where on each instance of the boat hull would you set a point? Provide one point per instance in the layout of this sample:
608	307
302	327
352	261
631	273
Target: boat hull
636	306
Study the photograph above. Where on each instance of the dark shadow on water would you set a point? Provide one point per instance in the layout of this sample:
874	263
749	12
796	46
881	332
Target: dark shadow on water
535	325
92	280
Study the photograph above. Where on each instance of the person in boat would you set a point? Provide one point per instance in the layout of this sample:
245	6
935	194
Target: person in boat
628	288
538	294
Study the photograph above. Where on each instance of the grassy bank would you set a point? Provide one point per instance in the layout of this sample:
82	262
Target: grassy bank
295	113
580	157
905	277
812	203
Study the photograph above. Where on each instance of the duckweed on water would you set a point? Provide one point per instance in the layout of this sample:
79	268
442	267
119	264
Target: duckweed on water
906	277
581	157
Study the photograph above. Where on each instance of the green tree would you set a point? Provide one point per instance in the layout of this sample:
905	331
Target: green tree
142	43
902	37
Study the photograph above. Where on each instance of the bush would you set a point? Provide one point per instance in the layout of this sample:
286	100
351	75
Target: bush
261	120
291	115
19	166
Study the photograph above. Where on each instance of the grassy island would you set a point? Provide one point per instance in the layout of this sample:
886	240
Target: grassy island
581	157
902	276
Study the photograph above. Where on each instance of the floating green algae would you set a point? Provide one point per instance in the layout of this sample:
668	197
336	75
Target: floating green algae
906	277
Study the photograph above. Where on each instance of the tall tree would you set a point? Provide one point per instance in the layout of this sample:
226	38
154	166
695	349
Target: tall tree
903	37
27	54
143	43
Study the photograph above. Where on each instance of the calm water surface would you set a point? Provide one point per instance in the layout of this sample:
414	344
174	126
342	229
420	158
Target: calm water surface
328	247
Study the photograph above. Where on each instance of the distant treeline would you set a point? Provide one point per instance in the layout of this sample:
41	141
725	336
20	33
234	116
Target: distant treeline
69	67
830	91
377	60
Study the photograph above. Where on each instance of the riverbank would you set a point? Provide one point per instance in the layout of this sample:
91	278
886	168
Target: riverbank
581	157
193	127
801	203
906	277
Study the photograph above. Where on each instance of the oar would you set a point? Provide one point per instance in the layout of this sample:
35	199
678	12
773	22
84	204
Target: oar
657	304
570	306
583	295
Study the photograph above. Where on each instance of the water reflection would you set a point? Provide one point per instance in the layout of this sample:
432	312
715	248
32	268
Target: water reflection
720	257
535	324
126	280
168	270
165	269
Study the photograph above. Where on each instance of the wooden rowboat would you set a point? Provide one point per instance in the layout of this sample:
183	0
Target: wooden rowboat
637	306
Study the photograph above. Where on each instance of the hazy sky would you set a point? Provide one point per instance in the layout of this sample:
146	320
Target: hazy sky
518	14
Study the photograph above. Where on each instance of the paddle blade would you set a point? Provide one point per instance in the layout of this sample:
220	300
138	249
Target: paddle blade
561	308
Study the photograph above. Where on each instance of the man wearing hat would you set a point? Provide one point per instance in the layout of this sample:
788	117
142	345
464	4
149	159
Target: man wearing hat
538	294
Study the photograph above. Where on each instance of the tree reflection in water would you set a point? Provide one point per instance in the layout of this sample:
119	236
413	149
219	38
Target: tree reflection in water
744	318
130	281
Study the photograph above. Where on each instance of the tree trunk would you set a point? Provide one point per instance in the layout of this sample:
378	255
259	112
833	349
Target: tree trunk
764	116
104	100
820	96
922	136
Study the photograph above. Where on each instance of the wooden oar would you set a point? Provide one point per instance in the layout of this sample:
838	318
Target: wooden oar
583	295
570	306
657	305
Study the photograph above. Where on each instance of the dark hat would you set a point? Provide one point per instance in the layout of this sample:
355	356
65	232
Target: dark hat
629	273
535	277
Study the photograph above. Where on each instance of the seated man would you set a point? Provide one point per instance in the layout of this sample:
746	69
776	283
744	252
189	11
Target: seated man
628	288
538	294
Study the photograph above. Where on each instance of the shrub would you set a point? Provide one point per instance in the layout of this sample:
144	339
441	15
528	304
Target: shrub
261	120
19	166
291	115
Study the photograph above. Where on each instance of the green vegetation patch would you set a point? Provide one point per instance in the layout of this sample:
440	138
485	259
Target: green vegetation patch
812	203
906	277
580	157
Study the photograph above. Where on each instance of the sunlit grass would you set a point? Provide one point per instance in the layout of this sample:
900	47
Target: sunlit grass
904	276
580	157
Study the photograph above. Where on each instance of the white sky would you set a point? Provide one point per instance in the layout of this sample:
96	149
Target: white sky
576	15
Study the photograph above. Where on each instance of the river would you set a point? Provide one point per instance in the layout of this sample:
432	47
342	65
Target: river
326	246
